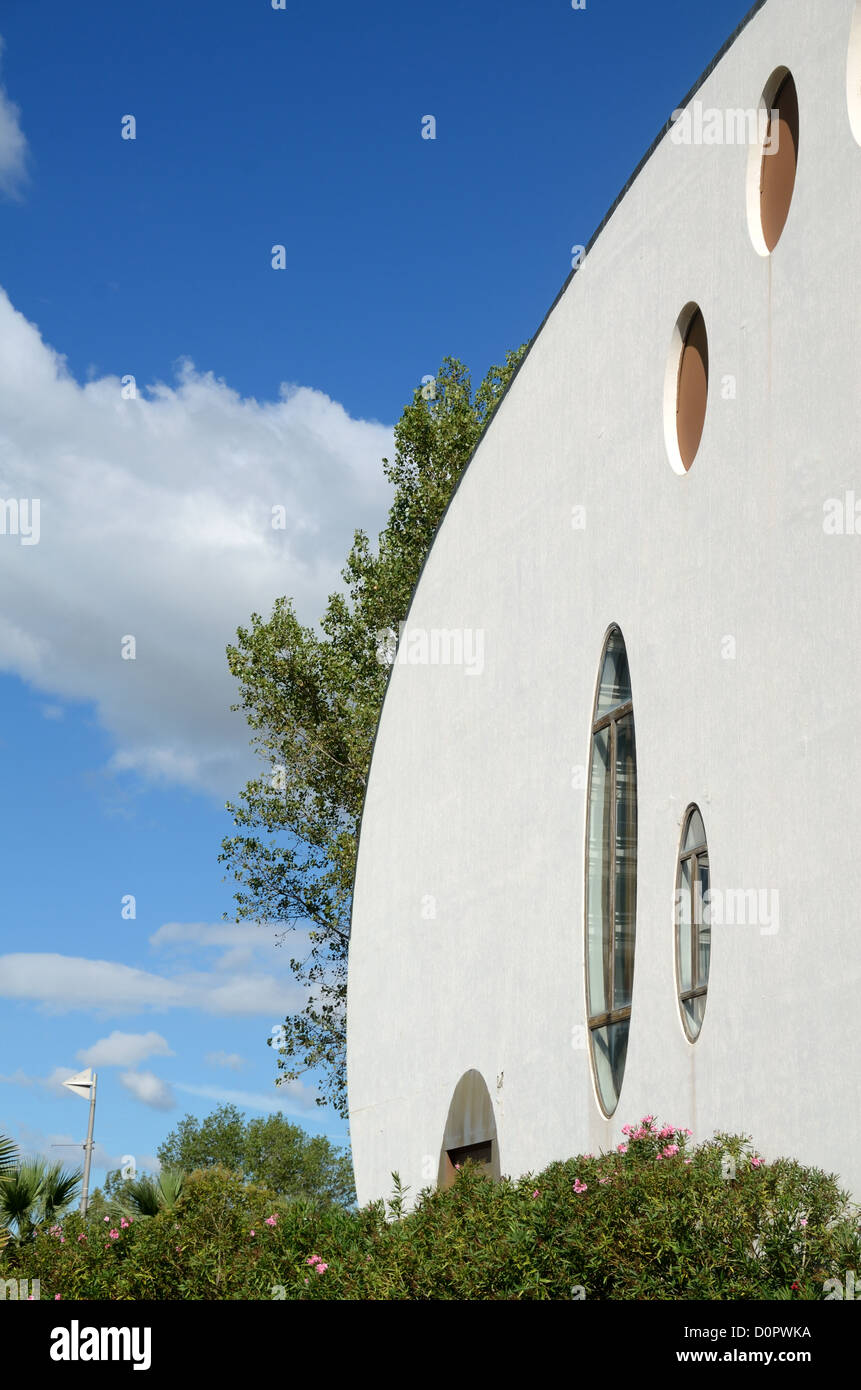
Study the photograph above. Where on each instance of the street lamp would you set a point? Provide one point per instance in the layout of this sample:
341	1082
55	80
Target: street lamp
84	1084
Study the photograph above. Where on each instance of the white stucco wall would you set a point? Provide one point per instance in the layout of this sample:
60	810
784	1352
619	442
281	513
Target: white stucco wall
470	797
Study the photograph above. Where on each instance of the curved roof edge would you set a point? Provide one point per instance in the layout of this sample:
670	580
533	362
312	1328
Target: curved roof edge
704	75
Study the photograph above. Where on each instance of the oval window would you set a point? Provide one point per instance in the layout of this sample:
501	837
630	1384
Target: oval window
611	872
693	922
686	388
774	162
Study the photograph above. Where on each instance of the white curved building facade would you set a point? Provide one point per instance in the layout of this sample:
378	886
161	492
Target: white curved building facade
726	552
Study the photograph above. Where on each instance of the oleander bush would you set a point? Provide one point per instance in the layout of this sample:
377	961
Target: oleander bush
656	1219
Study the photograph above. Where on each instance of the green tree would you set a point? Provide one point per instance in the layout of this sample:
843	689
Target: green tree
267	1150
312	698
36	1193
147	1196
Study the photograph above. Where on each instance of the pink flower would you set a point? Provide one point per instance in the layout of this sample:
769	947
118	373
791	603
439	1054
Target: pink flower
82	1237
803	1221
55	1231
108	1219
535	1193
670	1150
306	1281
124	1224
626	1129
271	1220
623	1148
687	1160
321	1267
313	1260
114	1233
57	1296
756	1162
647	1119
689	1132
579	1186
659	1155
603	1179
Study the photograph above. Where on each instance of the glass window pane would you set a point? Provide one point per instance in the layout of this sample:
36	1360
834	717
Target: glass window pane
683	925
598	885
695	834
615	684
693	1010
705	930
610	1048
625	863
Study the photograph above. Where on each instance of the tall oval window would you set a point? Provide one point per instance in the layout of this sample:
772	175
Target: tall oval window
686	388
611	872
693	924
773	162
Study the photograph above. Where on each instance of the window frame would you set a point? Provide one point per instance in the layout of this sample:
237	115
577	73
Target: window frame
695	853
609	720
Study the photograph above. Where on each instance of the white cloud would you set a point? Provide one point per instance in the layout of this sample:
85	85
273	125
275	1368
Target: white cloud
155	520
226	1059
53	1083
52	711
124	1050
13	145
292	1098
60	983
148	1088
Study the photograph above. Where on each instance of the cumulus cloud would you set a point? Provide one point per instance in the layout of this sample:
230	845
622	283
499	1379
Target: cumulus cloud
149	1089
13	145
61	983
155	522
124	1050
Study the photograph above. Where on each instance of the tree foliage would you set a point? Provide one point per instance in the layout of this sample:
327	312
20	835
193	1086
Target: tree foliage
266	1150
312	698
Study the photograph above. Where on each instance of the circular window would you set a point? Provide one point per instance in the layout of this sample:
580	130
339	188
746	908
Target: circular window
853	74
773	162
693	922
686	388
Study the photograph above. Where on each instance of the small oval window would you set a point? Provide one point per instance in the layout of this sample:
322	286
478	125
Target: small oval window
693	922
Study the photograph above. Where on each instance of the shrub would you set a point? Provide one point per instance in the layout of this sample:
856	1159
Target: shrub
657	1219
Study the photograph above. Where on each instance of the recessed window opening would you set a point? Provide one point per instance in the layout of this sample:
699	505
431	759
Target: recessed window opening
853	75
686	388
470	1131
774	163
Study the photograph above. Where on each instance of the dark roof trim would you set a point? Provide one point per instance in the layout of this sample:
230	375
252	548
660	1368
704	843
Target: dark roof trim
752	12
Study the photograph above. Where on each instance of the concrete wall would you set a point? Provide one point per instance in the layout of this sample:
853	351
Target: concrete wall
472	802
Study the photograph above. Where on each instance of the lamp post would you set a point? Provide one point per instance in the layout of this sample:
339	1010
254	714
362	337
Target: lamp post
84	1084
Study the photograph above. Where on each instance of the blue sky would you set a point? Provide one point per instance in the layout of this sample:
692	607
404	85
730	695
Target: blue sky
255	387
